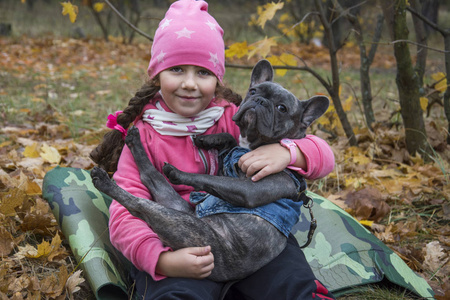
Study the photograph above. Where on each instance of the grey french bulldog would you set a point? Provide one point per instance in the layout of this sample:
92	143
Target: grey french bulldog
241	242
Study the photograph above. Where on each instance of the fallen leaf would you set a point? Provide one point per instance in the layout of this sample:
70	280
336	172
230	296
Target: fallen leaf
6	242
50	154
10	200
31	151
39	219
73	282
53	285
434	256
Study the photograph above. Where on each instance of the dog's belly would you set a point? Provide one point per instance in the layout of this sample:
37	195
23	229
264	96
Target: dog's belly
250	241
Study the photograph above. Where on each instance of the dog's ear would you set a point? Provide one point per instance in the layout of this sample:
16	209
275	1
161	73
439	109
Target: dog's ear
262	72
313	108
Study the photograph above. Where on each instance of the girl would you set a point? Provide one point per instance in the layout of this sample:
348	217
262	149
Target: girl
184	97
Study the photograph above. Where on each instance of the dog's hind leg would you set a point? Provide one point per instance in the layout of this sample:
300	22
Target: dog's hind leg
175	228
160	189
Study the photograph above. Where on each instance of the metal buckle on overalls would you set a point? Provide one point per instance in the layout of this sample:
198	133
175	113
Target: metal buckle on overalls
312	227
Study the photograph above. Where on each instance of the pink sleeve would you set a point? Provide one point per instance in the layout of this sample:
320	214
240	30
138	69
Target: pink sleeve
130	235
319	157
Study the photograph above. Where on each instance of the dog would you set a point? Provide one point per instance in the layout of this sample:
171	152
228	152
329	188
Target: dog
241	242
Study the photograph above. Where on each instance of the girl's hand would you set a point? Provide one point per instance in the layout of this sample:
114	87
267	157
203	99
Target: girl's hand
192	262
268	159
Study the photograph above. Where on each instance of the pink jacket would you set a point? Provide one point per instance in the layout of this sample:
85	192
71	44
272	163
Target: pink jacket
132	236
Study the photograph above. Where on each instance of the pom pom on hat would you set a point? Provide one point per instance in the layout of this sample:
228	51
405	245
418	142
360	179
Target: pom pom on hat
188	35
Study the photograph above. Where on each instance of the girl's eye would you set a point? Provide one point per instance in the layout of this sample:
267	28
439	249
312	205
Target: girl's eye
176	69
204	72
281	108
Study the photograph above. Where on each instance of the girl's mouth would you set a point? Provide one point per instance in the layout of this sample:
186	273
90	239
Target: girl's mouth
188	98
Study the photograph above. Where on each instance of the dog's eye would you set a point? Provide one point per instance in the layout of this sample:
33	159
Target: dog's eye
282	108
252	92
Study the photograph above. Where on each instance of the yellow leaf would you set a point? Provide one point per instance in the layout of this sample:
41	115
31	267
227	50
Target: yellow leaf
348	103
285	17
31	151
441	80
424	103
98	7
43	249
366	223
288	59
50	154
268	12
71	10
275	61
262	47
237	49
282	60
324	121
361	160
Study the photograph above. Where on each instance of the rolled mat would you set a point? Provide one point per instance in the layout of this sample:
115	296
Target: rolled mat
343	254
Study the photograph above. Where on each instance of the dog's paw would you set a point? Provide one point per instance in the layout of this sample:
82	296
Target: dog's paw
172	173
217	141
99	177
201	142
132	136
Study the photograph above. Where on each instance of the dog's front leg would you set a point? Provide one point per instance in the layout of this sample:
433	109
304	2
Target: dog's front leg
161	191
237	191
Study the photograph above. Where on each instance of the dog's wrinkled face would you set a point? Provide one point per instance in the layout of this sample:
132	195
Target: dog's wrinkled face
270	113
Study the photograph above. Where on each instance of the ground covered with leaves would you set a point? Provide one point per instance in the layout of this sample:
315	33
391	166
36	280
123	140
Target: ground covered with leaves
55	96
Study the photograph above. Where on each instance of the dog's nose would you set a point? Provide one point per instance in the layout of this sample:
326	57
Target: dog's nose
261	101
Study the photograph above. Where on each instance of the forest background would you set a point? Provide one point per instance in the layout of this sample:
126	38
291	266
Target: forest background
64	66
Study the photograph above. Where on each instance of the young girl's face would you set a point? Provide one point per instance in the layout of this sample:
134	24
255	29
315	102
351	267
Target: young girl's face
187	90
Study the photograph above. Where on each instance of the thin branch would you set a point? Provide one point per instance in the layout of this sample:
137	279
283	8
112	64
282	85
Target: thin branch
376	38
128	22
428	22
417	44
344	12
304	18
307	69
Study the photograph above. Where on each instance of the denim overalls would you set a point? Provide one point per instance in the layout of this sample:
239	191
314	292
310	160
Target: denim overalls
283	213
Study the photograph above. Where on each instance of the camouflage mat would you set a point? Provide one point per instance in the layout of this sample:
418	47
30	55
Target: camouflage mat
343	254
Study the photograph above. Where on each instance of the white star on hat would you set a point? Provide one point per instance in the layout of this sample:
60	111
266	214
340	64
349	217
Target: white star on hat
165	23
160	56
184	33
213	58
211	25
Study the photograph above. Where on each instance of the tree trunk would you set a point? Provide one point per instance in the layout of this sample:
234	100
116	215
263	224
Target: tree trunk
333	89
406	79
99	21
421	37
366	62
447	91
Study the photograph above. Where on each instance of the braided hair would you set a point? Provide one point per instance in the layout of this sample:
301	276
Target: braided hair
106	154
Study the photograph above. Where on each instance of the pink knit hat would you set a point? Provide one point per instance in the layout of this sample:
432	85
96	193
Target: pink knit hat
188	35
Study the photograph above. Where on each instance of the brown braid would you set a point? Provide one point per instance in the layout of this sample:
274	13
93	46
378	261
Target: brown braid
107	154
228	94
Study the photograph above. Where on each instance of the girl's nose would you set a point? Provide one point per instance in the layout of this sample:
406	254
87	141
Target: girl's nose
189	81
